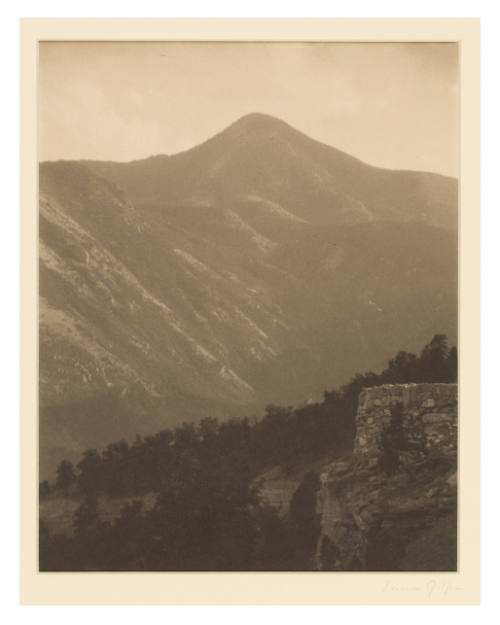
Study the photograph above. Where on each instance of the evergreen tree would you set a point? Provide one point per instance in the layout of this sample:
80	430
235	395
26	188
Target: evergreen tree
65	476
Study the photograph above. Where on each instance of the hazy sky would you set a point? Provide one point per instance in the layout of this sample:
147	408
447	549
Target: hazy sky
391	105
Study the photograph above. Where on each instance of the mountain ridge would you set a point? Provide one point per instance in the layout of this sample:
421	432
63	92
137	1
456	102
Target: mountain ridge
272	160
248	118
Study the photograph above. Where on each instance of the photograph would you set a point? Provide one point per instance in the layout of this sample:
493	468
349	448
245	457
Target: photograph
248	305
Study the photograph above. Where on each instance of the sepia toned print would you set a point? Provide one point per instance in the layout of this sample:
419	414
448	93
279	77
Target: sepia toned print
248	306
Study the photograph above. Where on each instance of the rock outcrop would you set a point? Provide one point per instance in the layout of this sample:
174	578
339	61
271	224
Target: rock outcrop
391	505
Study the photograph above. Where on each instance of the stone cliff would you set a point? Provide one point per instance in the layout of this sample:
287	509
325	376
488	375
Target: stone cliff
391	505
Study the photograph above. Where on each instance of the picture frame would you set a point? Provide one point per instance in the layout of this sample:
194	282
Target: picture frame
314	588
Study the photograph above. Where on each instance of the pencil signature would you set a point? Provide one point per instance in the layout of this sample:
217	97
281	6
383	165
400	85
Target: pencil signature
431	588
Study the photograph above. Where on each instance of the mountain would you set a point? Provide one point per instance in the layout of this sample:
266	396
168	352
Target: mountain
266	170
259	267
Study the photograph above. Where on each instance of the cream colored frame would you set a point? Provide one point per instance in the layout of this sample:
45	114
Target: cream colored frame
258	588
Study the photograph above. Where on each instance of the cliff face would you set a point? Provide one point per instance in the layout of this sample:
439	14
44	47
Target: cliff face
392	504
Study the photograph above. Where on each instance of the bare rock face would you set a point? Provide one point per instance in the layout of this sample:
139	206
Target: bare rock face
392	504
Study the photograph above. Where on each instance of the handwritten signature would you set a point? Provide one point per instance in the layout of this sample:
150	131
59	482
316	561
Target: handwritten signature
431	588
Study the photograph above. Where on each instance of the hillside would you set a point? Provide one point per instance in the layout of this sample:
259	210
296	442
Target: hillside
259	267
188	500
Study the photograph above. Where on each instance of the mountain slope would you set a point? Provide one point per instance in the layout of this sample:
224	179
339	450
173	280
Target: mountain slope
217	281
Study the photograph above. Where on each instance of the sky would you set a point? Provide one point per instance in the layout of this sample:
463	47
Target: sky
393	105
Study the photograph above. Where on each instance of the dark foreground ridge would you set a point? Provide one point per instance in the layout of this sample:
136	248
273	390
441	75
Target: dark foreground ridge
375	491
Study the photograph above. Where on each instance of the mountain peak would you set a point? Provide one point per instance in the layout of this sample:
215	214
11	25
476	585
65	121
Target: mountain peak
258	122
258	118
261	156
